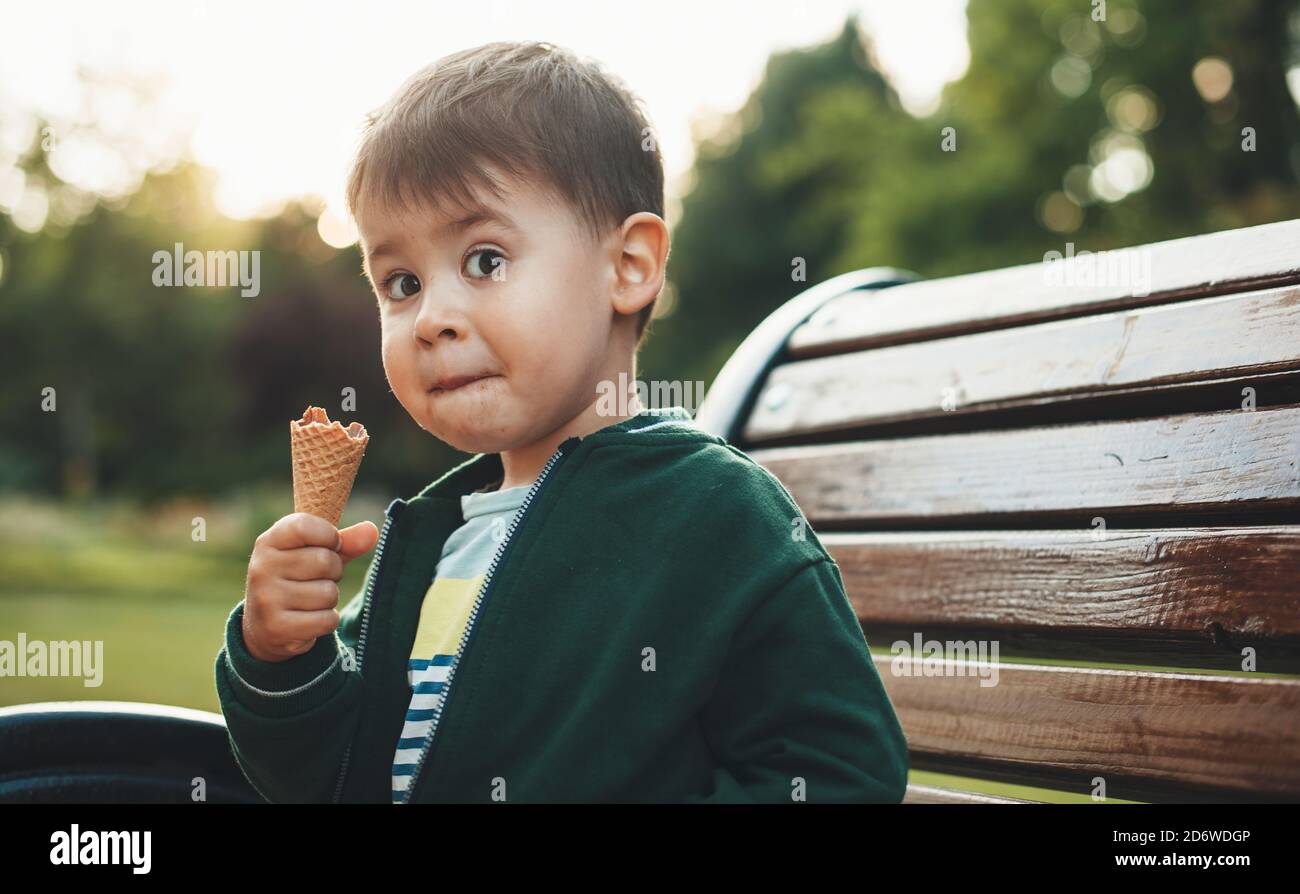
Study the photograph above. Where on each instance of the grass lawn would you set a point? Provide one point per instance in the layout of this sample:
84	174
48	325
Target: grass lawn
155	650
157	598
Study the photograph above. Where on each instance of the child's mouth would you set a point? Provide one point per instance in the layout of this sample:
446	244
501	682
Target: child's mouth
457	382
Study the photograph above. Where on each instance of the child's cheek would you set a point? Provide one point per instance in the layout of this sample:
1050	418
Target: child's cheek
393	361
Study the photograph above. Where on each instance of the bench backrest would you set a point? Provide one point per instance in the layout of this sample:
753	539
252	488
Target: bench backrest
1089	462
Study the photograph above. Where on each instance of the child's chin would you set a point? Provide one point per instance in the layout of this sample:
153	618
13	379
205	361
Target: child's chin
475	446
471	441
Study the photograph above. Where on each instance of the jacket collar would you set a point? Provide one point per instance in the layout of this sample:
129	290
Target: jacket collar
482	468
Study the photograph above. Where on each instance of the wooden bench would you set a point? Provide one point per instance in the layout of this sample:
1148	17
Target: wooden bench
1086	468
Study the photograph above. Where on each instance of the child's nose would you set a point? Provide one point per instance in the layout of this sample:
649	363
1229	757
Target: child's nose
440	319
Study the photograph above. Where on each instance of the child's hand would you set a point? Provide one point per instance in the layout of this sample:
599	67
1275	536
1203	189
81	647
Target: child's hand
291	594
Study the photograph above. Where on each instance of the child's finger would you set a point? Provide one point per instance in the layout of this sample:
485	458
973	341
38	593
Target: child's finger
310	563
357	539
302	529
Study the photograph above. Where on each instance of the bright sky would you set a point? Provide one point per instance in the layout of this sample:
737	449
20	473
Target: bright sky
271	95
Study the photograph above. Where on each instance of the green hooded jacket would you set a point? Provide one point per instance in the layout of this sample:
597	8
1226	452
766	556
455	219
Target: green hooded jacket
659	625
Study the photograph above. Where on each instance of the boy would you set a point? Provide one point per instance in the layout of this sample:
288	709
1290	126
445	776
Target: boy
599	606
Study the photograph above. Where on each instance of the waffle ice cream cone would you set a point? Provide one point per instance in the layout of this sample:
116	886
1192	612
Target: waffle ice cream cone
326	457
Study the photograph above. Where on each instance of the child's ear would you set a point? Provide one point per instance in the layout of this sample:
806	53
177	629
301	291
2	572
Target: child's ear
640	263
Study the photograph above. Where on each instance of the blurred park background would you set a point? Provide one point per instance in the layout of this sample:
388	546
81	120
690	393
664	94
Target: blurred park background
172	404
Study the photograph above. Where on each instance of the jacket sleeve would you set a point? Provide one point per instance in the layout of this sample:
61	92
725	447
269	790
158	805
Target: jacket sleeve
799	711
290	721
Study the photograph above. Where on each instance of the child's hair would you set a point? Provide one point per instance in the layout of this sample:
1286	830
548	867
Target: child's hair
530	108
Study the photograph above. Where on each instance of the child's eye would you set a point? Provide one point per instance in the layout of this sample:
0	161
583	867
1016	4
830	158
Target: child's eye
400	286
488	262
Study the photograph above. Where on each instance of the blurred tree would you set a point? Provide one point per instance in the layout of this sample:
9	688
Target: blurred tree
764	195
126	361
165	391
1105	133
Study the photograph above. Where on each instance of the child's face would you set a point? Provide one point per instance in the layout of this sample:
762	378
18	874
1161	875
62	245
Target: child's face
526	303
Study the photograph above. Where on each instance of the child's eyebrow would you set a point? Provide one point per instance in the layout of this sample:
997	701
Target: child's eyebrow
477	216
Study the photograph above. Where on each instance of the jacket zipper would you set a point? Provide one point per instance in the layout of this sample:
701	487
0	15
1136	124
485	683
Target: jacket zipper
478	602
394	509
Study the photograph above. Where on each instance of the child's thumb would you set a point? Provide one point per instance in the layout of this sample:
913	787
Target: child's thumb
357	539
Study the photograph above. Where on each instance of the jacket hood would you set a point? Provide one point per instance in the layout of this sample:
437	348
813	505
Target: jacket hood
482	468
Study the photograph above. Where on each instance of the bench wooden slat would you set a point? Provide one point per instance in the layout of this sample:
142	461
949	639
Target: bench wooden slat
1215	461
1216	733
929	794
1197	266
1186	597
1235	335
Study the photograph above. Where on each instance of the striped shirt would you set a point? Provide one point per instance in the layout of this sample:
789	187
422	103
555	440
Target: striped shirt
444	615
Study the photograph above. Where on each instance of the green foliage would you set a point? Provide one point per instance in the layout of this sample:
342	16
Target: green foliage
163	392
835	172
